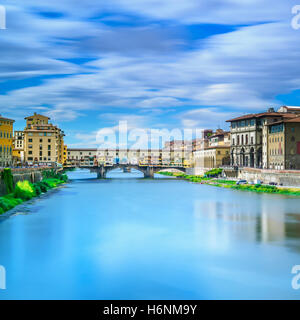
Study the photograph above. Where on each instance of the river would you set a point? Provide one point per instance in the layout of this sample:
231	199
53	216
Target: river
132	238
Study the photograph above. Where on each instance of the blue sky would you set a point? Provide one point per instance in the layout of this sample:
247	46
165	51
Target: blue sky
157	64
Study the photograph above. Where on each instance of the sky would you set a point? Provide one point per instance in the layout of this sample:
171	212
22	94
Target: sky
159	64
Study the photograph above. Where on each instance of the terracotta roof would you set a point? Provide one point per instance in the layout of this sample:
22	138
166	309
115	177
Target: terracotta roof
258	115
224	133
40	115
294	119
6	119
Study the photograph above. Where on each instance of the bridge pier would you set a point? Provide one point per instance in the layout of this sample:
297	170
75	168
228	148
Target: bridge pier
149	172
101	172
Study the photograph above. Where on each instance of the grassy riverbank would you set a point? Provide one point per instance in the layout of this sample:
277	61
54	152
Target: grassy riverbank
230	184
24	190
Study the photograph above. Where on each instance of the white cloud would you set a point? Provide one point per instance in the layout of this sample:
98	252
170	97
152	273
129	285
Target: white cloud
139	69
188	11
205	118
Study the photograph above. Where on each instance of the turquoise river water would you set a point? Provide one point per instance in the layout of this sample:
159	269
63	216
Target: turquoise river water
132	238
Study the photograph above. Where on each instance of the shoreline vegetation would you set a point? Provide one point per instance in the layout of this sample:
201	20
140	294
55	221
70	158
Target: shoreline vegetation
25	190
212	178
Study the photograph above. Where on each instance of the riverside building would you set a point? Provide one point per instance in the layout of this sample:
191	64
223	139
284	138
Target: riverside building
6	141
43	141
18	147
215	152
284	144
249	136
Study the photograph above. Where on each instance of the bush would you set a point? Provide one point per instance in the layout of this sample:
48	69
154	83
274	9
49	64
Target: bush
5	204
37	189
213	173
24	190
50	174
9	202
8	180
43	186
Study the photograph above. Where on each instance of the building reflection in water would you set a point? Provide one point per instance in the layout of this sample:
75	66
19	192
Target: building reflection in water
272	221
219	224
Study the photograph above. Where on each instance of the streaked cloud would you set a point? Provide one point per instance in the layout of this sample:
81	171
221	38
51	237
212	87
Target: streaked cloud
136	58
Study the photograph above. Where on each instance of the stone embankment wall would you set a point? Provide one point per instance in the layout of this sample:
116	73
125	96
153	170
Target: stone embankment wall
32	175
285	177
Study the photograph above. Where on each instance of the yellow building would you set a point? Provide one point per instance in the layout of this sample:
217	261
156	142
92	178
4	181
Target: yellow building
6	141
65	155
215	154
283	147
43	141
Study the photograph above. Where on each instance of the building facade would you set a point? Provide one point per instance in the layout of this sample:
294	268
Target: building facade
284	144
215	152
6	141
18	148
249	138
90	157
43	142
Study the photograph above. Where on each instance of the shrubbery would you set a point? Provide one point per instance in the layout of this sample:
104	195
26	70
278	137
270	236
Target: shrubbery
24	190
232	184
8	202
213	173
50	174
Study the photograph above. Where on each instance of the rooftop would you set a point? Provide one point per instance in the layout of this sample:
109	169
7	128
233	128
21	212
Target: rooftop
36	114
292	108
6	119
294	119
258	115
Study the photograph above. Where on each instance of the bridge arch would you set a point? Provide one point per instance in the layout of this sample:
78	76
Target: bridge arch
181	170
119	166
148	171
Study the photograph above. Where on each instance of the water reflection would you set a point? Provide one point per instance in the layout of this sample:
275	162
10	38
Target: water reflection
263	218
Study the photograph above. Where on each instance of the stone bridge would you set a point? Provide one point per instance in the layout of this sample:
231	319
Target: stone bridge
148	171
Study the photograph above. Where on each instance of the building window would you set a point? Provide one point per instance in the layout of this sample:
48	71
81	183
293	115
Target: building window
298	147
